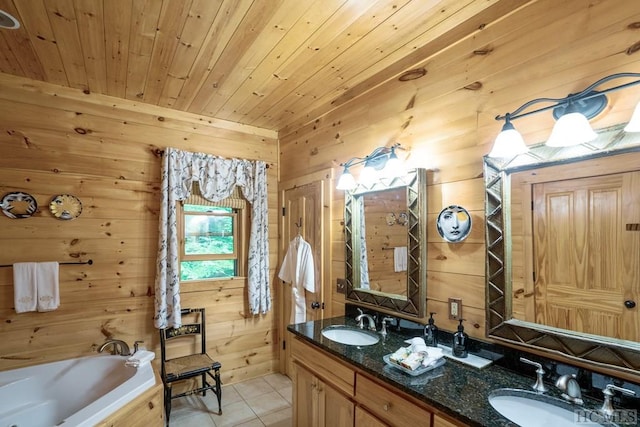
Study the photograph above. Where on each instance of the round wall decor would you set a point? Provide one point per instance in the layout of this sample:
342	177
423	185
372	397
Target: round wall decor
65	206
17	205
454	223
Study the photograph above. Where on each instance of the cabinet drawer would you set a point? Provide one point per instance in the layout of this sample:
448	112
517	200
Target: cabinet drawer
323	365
388	405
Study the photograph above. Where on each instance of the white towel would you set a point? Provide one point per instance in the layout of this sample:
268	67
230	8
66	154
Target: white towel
400	259
139	358
48	286
25	290
35	286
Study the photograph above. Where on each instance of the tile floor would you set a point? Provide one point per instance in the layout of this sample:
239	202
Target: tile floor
258	402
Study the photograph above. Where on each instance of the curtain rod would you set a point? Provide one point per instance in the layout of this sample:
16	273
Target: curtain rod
62	263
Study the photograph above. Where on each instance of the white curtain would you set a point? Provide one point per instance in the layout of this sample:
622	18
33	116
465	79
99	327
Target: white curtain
217	178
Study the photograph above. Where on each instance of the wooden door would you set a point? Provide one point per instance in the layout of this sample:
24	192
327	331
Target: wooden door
337	410
305	212
305	397
586	251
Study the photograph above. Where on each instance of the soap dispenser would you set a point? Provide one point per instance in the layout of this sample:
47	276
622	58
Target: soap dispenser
460	342
431	333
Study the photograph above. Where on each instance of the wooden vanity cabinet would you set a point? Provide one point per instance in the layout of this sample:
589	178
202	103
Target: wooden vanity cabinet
322	388
329	392
389	405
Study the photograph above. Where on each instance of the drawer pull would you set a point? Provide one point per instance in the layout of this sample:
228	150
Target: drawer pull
386	406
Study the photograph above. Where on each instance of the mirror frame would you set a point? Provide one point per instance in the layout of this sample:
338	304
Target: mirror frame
414	304
605	352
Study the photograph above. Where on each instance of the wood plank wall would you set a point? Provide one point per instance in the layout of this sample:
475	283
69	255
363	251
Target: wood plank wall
106	152
446	119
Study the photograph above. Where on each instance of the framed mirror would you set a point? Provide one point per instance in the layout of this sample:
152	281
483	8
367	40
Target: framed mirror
563	245
385	256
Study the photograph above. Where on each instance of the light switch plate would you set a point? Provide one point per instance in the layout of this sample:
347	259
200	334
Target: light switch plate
455	308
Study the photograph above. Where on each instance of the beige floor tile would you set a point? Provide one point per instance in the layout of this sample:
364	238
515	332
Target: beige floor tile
196	419
281	418
253	387
235	414
277	381
267	403
252	423
287	393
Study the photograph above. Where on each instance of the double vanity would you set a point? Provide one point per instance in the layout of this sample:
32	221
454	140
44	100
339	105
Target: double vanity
341	379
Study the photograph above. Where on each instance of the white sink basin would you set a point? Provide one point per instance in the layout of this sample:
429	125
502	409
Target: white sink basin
350	336
530	409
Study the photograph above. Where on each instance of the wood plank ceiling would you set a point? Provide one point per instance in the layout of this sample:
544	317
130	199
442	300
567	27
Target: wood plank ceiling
274	64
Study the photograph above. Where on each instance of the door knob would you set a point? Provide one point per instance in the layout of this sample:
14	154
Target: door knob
629	303
315	305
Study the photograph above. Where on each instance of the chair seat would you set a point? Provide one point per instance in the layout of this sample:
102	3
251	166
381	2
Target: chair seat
189	366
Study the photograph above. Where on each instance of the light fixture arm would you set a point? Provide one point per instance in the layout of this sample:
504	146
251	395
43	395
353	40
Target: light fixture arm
585	94
374	155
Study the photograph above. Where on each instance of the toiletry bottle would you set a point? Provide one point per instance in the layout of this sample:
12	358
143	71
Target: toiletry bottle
460	342
431	333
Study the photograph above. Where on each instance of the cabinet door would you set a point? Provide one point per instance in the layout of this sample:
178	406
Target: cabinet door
337	410
439	421
305	397
365	419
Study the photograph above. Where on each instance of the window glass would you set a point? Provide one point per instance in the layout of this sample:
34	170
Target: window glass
210	236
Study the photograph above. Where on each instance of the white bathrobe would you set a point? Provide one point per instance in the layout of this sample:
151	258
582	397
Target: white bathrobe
298	269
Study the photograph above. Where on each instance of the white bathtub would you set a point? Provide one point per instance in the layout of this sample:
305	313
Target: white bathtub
70	393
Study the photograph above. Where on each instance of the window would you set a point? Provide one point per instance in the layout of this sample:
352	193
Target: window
211	237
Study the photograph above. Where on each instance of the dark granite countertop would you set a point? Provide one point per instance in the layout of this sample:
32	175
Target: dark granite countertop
456	389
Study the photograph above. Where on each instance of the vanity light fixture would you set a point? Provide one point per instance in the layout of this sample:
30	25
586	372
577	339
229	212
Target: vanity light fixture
572	114
382	163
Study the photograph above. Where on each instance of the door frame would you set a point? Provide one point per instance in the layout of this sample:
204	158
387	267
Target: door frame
326	178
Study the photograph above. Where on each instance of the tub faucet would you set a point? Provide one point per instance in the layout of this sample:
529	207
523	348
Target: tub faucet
118	347
570	388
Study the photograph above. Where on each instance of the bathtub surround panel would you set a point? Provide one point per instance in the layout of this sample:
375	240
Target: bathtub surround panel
106	151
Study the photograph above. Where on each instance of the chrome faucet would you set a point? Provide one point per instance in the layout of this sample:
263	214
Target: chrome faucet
568	385
607	407
118	347
539	385
360	319
383	332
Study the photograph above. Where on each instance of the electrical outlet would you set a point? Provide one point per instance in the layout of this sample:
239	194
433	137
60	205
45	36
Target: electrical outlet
455	308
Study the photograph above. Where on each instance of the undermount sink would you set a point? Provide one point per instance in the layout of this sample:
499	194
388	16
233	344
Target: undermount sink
350	336
530	409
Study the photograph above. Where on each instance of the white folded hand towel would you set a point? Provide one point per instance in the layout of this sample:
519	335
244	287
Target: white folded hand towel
48	286
25	290
433	355
139	358
400	259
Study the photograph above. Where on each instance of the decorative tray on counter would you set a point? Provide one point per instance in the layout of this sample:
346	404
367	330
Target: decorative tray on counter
418	371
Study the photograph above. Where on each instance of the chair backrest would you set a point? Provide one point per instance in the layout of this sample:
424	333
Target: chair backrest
187	330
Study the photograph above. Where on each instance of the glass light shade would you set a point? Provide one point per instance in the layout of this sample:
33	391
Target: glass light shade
394	167
346	181
634	123
509	143
571	129
368	176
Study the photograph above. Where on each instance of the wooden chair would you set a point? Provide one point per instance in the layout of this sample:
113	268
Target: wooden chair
191	366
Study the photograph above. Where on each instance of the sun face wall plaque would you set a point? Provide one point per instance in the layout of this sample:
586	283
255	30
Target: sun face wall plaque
18	205
65	206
